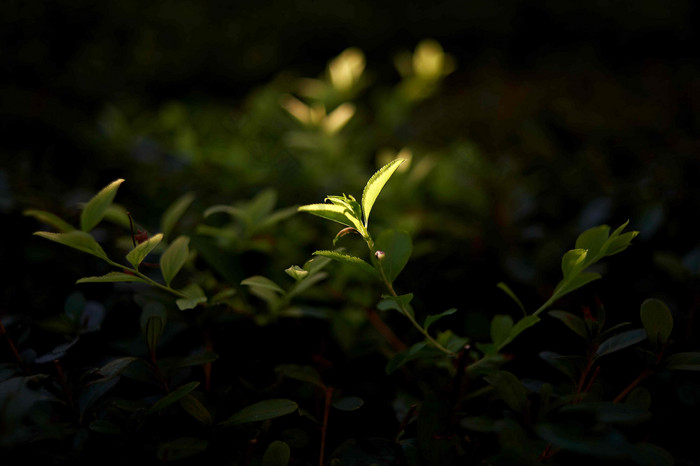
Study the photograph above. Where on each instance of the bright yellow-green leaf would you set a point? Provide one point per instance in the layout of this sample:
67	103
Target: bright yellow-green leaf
139	253
333	212
94	211
375	184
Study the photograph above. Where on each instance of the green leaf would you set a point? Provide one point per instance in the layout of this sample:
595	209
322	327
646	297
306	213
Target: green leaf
296	272
180	448
689	361
519	327
277	454
174	212
262	411
572	321
194	296
348	403
419	350
154	330
567	365
277	216
333	212
573	262
348	259
509	389
593	239
500	328
620	341
568	285
657	321
169	365
50	219
397	249
301	373
174	258
118	215
399	303
609	412
113	369
620	243
375	184
94	211
172	397
258	281
196	409
112	277
506	289
432	319
77	240
139	253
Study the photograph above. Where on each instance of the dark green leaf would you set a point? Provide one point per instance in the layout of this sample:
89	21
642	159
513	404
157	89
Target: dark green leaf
689	361
174	212
180	448
154	330
277	454
196	409
77	240
112	277
302	373
419	350
572	321
509	389
657	320
174	258
114	369
397	249
519	327
506	289
568	365
400	303
172	397
609	412
94	211
50	219
139	253
500	328
434	318
104	426
268	409
348	403
258	281
620	341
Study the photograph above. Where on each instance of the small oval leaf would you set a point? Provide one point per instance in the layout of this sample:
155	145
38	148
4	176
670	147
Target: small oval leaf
657	320
268	409
620	341
277	454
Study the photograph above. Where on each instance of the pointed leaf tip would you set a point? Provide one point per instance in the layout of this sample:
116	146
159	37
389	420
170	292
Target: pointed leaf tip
96	208
375	184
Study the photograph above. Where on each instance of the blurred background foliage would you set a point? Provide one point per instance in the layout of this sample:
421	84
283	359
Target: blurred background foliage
525	123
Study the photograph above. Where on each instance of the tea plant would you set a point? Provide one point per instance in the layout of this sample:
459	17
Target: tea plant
457	399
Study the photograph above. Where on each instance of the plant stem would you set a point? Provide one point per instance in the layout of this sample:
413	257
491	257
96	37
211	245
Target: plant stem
324	428
13	348
150	281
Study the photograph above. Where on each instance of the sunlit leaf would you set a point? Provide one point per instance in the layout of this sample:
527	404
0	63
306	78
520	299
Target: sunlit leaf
375	184
112	277
94	211
348	259
174	258
139	253
573	261
77	240
593	239
332	212
262	411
